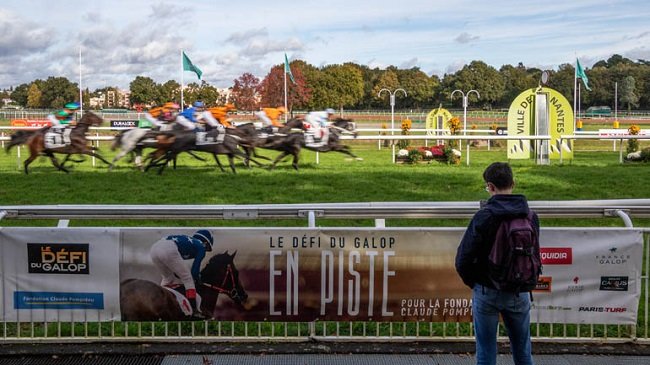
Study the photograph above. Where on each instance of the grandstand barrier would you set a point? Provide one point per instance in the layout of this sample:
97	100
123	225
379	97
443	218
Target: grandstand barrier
320	283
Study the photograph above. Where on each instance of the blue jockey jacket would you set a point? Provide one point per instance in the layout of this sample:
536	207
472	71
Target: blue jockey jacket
190	248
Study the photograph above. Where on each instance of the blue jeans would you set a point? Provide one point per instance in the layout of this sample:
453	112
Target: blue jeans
487	304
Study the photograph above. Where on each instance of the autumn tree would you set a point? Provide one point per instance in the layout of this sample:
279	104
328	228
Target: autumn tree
272	88
245	92
34	96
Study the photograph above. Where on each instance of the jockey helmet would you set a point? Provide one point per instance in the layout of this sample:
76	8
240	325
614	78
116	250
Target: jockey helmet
204	236
330	111
199	104
172	106
72	106
282	109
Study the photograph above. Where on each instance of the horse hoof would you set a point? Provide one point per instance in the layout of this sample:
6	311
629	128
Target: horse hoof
358	158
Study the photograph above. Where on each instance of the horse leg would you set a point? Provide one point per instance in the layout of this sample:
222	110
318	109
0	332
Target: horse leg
346	150
296	157
216	158
56	163
278	159
28	161
122	153
231	161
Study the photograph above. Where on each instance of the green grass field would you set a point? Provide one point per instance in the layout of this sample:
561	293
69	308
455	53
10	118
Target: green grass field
591	175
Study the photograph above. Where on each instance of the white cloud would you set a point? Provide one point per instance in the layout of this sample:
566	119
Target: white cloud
465	37
121	39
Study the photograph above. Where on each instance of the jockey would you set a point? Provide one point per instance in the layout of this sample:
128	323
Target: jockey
167	115
62	120
163	117
270	116
220	113
319	124
205	116
168	254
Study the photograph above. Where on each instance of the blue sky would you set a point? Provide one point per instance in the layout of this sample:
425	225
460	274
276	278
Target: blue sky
121	39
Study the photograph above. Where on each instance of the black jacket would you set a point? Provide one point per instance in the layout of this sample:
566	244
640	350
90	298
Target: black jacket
472	254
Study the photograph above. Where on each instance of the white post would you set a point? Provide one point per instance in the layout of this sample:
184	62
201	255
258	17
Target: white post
81	97
182	106
286	111
392	114
575	96
465	104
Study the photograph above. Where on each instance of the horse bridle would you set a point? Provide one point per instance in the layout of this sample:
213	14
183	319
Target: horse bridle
221	289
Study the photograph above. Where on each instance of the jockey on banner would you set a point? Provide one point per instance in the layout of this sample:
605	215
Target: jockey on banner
269	118
319	122
169	253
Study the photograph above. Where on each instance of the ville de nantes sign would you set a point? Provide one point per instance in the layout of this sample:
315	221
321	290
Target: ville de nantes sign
522	121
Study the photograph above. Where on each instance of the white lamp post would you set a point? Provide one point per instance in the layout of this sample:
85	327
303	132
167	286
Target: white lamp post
465	103
392	112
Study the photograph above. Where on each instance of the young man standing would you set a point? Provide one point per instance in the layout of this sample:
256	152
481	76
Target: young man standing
472	266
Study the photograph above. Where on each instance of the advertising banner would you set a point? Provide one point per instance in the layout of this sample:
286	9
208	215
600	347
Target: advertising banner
51	274
589	276
300	274
521	122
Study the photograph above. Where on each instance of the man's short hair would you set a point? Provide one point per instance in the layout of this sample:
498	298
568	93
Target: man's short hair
499	174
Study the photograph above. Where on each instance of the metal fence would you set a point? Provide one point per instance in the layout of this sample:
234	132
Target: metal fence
44	332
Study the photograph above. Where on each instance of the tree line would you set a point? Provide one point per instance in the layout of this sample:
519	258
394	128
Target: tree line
354	86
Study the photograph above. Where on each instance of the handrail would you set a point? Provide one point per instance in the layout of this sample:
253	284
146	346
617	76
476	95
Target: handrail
638	208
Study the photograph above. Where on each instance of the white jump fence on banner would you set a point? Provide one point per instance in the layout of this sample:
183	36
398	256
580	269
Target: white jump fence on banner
49	332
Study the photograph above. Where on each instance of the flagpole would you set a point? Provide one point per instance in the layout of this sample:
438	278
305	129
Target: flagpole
182	104
81	98
575	90
285	98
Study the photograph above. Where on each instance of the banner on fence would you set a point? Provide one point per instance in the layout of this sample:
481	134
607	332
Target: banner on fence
53	274
282	274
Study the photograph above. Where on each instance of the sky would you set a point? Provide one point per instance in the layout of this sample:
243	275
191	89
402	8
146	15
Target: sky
122	39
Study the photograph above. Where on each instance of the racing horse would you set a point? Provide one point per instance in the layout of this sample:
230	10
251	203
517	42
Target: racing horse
293	143
170	145
143	300
78	143
135	140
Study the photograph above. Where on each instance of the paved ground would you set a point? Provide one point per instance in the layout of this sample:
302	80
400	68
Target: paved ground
315	353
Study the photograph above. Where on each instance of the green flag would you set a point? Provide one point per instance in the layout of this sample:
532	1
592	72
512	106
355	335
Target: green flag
287	69
580	72
189	66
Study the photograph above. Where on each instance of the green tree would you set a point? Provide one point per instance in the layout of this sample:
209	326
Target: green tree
57	91
482	78
342	85
170	91
419	87
144	91
628	92
34	96
516	80
387	80
562	80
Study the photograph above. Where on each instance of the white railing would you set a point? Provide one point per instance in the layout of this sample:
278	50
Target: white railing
44	332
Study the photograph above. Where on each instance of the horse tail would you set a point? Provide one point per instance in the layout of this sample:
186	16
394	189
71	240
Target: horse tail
18	138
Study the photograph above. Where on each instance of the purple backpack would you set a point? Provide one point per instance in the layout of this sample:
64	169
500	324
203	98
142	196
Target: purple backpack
514	261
